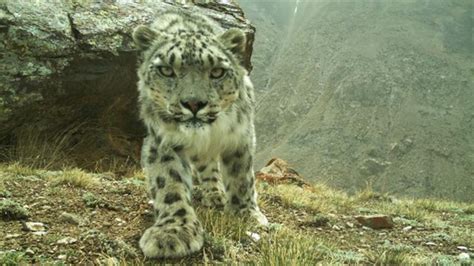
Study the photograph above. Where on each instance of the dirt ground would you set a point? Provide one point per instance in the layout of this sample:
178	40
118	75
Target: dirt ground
103	223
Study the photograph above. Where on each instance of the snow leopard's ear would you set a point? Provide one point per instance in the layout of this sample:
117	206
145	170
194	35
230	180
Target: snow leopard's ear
234	40
143	37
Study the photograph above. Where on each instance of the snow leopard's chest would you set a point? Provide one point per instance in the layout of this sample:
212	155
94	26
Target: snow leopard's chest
226	133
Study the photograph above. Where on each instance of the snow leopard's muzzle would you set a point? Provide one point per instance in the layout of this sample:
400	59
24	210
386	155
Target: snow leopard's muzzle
195	113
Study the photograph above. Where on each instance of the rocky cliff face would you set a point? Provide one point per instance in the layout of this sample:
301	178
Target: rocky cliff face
370	92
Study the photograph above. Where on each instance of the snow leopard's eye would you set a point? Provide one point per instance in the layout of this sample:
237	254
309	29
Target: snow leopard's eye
166	71
217	73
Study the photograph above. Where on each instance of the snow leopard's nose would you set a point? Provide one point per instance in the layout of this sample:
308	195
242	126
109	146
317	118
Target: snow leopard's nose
193	105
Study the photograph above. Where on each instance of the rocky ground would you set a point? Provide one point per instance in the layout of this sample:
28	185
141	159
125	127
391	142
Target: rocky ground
72	216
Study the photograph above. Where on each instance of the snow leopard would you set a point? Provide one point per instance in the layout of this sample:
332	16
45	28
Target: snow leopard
197	103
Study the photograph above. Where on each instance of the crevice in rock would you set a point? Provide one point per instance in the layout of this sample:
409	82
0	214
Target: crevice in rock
74	31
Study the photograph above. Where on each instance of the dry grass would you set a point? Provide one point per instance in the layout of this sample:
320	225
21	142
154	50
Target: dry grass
137	174
368	194
37	150
223	235
395	255
123	166
74	177
84	145
288	247
71	177
315	199
17	169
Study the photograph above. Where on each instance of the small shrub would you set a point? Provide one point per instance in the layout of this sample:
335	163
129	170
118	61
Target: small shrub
11	210
317	220
91	200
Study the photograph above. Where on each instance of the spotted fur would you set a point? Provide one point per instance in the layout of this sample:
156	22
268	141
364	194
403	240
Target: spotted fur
196	101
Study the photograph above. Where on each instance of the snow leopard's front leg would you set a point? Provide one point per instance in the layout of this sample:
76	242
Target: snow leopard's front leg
211	184
177	231
239	181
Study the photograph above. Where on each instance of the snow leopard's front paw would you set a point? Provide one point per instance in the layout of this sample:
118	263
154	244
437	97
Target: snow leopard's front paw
172	240
259	217
214	199
252	213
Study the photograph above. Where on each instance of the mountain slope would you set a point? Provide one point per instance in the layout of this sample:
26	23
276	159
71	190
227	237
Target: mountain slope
379	93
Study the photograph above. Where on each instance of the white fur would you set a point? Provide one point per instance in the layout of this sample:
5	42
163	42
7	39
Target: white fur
207	141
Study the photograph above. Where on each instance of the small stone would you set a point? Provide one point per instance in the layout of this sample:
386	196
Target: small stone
376	221
464	257
254	236
335	227
462	248
62	257
29	251
39	233
71	218
34	226
430	244
120	222
9	236
67	240
407	228
350	225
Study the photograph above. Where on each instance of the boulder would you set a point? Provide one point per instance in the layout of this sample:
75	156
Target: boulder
277	171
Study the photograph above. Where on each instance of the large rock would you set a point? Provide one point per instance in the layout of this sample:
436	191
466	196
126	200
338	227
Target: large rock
69	68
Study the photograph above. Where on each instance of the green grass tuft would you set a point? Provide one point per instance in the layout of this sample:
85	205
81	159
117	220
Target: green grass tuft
286	247
12	258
